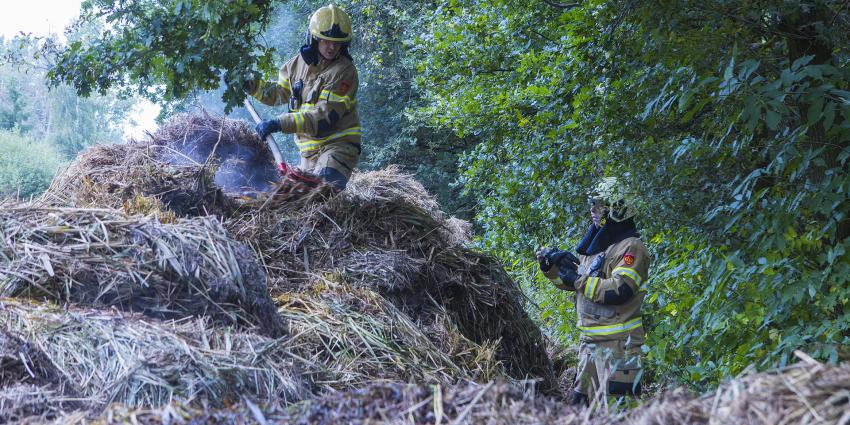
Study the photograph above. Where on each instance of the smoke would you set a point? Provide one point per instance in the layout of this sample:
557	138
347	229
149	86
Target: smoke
243	165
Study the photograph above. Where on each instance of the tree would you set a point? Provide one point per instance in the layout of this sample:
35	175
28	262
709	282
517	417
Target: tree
729	118
56	114
27	166
163	50
13	112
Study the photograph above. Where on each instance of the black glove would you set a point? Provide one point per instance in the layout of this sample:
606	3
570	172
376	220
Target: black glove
563	259
543	260
267	127
569	277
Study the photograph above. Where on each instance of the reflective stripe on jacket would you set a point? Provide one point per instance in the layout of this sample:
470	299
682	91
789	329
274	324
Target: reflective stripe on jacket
327	110
622	278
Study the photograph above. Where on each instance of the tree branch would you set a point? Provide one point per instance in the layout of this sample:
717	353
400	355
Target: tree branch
566	6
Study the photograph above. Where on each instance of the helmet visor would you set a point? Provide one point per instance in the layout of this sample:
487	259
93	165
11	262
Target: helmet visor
596	202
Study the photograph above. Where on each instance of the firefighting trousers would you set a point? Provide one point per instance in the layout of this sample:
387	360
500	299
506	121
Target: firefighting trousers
614	365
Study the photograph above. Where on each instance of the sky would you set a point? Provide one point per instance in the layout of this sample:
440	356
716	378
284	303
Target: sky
42	17
37	16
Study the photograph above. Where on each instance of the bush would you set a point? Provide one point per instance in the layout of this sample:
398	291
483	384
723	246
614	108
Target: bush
26	166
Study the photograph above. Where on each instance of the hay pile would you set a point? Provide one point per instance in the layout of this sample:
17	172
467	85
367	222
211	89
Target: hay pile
156	250
105	258
801	394
385	232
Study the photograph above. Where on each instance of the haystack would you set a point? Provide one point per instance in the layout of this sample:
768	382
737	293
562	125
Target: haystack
106	258
385	232
102	357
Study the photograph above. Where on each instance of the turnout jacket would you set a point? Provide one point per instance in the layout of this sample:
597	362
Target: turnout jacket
609	301
324	110
610	289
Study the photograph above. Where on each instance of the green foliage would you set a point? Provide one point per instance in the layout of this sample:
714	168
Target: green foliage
164	50
57	115
13	111
732	119
26	166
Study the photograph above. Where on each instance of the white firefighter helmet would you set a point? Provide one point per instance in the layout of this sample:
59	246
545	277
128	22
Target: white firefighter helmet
611	195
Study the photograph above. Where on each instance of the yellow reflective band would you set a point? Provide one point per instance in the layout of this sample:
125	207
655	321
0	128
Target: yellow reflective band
332	97
590	287
632	273
285	84
311	144
611	329
299	121
260	90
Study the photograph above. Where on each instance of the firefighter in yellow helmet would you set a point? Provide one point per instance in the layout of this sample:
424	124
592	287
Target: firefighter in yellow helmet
609	280
318	86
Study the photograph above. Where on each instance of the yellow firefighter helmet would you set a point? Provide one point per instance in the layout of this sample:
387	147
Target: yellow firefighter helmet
331	23
611	195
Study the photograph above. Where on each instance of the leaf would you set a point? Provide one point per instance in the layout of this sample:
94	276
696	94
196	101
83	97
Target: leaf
829	115
801	61
772	119
813	115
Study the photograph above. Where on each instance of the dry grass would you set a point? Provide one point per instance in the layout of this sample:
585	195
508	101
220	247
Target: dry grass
801	394
105	258
103	357
805	393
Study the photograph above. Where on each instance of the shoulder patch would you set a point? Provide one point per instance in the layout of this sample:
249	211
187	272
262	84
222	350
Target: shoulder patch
342	87
629	258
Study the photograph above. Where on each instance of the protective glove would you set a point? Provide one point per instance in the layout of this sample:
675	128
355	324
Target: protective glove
543	259
568	278
264	128
564	260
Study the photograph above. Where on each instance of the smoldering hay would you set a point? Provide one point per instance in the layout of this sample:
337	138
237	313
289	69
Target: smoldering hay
162	281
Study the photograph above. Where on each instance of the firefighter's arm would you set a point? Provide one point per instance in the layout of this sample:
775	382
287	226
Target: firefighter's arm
626	280
550	262
336	100
554	276
274	93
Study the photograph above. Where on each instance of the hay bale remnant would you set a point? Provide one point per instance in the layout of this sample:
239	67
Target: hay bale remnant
106	258
379	234
193	165
108	357
30	385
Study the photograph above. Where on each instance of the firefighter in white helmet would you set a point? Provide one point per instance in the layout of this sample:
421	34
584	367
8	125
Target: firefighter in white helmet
609	280
318	86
